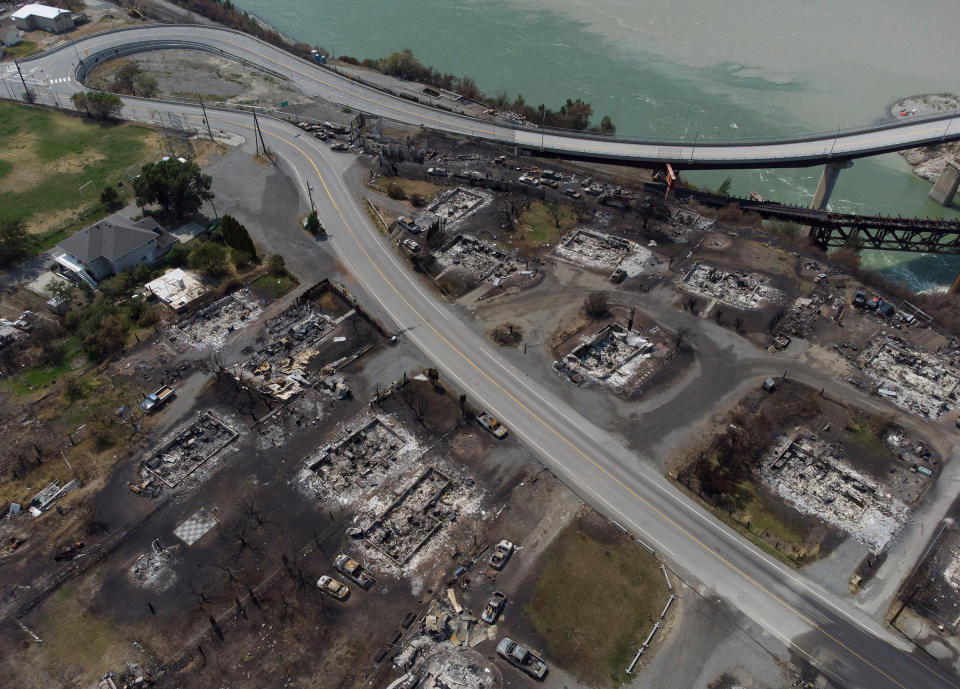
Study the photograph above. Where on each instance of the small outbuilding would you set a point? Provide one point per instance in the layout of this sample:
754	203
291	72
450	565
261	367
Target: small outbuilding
37	17
176	288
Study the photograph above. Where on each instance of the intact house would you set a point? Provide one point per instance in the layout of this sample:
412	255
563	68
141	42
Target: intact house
41	17
112	245
9	34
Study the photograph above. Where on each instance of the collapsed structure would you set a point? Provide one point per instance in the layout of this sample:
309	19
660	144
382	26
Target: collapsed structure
478	260
210	326
614	355
186	451
412	518
361	458
304	341
915	380
604	251
733	288
812	475
452	206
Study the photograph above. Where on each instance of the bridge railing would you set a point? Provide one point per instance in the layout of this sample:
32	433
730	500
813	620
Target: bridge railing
568	133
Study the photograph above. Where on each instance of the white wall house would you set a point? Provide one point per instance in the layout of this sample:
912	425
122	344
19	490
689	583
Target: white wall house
112	245
41	17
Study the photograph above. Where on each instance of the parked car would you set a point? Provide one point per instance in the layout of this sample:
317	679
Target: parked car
332	587
501	553
339	146
573	193
492	425
521	657
495	606
437	172
411	245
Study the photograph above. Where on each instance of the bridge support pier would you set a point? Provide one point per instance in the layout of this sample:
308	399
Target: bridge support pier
828	180
946	187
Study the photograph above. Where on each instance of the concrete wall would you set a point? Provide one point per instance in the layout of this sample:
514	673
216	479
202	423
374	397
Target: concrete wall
946	187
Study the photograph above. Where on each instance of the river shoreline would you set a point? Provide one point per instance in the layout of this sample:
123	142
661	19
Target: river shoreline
927	162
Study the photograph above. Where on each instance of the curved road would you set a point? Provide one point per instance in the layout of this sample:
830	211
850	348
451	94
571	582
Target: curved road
854	650
57	69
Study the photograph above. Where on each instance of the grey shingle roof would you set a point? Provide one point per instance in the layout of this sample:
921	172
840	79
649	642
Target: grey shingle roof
111	238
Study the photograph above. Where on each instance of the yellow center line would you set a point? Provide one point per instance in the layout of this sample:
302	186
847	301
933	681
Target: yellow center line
580	452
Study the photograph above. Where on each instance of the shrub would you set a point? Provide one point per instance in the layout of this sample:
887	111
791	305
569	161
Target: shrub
596	305
241	259
396	192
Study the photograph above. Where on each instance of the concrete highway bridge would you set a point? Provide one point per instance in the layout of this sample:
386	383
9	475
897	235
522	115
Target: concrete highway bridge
62	68
848	643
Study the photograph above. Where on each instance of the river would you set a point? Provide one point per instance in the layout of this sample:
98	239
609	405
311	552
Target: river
688	69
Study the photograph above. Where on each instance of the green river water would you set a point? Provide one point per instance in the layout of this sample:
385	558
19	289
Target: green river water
688	69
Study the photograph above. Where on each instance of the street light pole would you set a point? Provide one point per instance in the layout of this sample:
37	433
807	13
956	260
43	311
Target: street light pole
313	208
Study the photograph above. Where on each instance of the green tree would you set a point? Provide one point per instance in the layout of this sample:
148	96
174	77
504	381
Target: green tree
178	186
145	86
13	240
177	256
724	188
110	199
277	265
125	77
313	224
235	236
100	106
605	126
209	258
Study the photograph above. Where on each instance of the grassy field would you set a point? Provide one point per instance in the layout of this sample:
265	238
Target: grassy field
596	600
45	157
427	190
539	227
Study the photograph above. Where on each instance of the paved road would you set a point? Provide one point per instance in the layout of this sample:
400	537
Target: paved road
55	70
849	646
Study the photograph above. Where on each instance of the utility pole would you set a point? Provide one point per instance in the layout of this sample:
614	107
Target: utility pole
256	124
313	209
206	120
26	91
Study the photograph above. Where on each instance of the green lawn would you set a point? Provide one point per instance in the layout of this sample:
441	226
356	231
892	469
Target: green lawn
595	601
46	158
42	376
22	50
274	287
